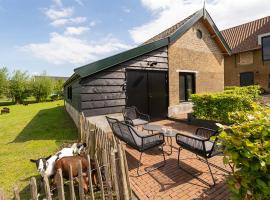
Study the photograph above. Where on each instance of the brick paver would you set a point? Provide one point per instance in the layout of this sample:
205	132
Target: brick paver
170	182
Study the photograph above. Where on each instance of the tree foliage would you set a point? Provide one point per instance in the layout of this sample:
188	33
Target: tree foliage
41	87
247	148
3	81
59	88
19	86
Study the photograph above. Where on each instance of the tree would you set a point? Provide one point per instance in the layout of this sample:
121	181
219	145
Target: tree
3	81
41	87
19	86
59	88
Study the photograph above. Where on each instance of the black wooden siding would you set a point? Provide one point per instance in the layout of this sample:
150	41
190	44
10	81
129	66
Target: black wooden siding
104	92
76	94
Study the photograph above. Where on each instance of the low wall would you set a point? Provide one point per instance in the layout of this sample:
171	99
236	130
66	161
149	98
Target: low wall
73	113
182	108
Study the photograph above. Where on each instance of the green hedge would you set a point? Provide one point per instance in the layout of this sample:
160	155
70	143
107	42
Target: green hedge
218	106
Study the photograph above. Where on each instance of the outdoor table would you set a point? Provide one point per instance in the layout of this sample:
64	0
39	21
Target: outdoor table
168	133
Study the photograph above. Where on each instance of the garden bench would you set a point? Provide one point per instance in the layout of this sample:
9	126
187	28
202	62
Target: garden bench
137	140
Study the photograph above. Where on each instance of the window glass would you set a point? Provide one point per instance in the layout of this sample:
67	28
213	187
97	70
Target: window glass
266	47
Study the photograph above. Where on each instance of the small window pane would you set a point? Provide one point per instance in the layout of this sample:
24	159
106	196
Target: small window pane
266	48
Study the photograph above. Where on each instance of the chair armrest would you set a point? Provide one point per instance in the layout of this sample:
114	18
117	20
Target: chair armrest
152	139
128	121
205	132
194	137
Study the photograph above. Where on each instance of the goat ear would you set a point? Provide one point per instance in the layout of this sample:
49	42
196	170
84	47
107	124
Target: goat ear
32	160
84	144
48	157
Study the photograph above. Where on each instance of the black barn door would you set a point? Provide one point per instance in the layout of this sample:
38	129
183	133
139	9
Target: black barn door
137	90
158	95
148	91
246	78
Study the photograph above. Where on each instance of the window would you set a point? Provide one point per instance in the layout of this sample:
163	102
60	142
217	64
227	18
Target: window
186	86
266	48
69	93
246	58
199	33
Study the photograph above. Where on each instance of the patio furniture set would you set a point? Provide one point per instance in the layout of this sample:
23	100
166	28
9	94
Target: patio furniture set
199	143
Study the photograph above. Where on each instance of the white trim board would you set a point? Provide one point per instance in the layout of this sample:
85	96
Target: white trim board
187	71
261	36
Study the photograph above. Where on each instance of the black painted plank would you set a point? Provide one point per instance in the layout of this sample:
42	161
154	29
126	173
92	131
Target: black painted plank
102	104
101	89
93	97
105	82
103	111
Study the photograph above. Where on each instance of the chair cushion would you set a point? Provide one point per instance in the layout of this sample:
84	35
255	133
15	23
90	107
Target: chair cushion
209	146
137	137
138	122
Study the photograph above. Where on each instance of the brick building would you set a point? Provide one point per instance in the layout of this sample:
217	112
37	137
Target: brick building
250	60
158	76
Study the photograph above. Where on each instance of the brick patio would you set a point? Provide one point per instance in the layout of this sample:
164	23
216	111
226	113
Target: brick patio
170	182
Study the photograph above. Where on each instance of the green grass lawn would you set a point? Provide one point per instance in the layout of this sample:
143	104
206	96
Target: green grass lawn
32	131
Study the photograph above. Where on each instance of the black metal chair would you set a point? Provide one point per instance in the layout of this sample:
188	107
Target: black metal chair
137	140
134	117
201	144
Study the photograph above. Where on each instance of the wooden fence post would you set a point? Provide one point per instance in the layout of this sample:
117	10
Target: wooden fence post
107	176
114	175
126	168
47	188
89	173
16	193
80	176
100	178
33	188
2	194
60	185
123	173
71	184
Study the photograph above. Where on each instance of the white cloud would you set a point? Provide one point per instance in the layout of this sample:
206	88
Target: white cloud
66	21
225	14
55	14
93	23
126	10
62	49
76	30
80	2
58	2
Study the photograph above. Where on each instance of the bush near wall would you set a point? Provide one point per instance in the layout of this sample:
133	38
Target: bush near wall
217	106
247	150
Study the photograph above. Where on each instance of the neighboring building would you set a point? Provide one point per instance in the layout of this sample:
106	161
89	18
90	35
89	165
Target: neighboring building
156	77
56	78
250	60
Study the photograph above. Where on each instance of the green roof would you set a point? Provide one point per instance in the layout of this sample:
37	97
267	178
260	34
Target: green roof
111	61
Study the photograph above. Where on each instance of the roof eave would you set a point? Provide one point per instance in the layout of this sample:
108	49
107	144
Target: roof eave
189	23
72	78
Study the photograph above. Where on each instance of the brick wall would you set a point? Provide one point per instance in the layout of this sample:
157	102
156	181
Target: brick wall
233	68
200	55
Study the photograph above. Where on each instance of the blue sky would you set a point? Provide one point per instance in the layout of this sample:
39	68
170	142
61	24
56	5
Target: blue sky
57	36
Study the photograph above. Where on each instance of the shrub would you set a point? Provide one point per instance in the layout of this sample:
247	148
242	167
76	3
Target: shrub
247	149
218	106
